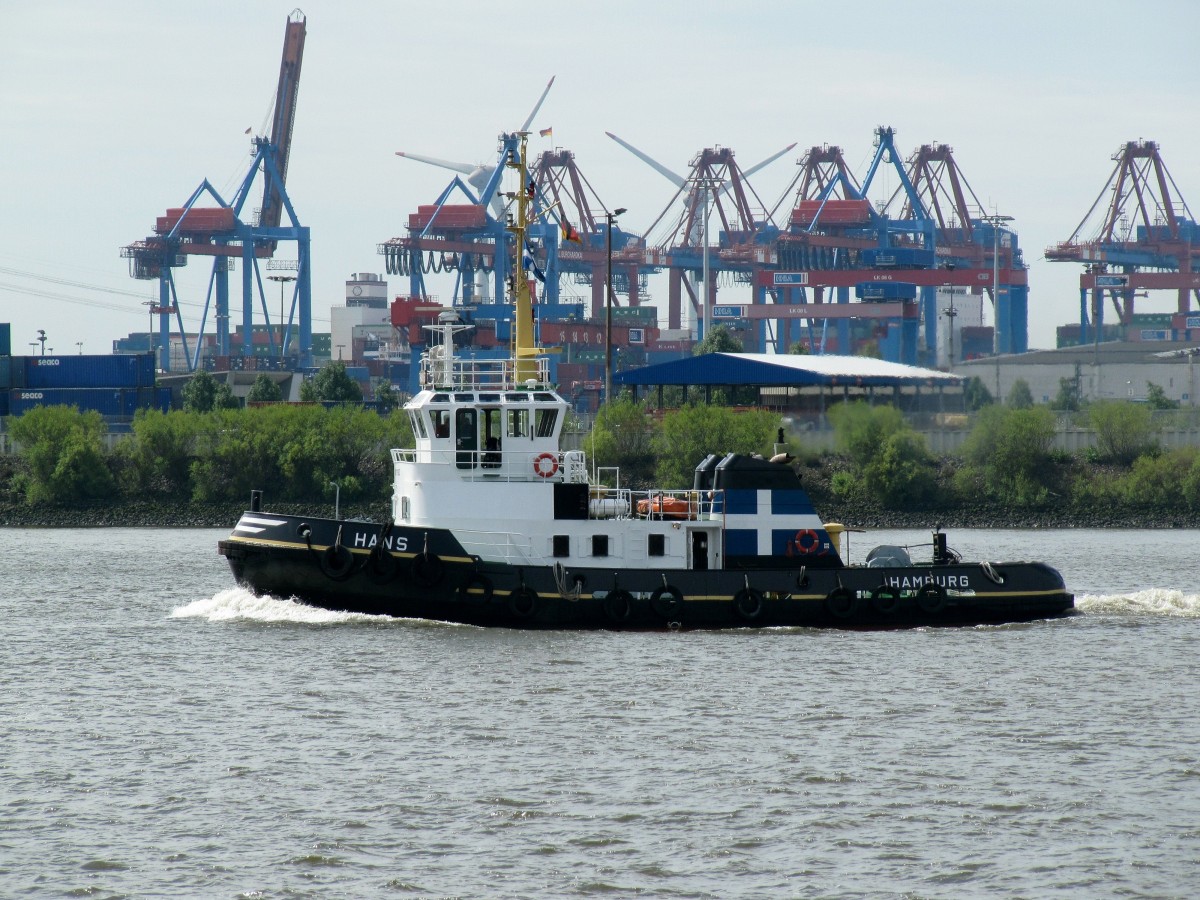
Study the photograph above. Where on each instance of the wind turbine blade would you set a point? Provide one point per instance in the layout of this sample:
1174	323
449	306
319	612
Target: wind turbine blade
658	167
464	168
538	105
766	162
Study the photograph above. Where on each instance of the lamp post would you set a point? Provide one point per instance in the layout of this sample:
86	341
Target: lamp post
610	218
150	304
79	344
996	220
950	313
282	279
42	339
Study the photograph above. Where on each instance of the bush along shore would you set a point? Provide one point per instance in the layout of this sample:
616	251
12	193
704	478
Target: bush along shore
196	469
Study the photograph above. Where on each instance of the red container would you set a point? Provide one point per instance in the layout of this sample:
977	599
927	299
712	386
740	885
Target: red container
835	212
199	220
451	216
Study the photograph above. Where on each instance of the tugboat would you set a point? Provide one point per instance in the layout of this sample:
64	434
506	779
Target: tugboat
492	524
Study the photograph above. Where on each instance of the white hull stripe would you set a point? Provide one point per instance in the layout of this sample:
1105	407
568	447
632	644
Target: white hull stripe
255	520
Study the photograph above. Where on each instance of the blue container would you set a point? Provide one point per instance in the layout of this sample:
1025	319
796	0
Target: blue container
4	404
122	371
898	258
885	290
106	401
5	339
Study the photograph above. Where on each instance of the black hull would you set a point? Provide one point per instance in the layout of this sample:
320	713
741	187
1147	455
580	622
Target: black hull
427	575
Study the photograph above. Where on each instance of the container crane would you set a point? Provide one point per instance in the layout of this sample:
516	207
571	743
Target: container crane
1144	239
974	250
220	231
717	186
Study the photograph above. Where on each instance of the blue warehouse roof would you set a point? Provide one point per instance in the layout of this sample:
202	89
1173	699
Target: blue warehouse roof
784	370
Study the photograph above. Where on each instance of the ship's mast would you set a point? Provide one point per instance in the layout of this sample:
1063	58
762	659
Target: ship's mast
524	346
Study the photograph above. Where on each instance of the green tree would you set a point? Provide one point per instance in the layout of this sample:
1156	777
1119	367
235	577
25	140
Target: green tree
296	451
158	454
63	451
331	383
718	340
1124	431
1020	397
1007	453
976	395
386	397
902	474
1156	397
799	348
1168	480
203	394
1067	398
861	429
264	390
622	435
688	435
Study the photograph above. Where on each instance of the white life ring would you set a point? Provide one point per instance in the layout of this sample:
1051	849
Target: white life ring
545	465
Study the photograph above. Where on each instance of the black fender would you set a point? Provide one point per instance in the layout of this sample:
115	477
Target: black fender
748	604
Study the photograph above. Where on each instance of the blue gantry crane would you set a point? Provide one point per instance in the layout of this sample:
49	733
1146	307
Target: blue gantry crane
208	225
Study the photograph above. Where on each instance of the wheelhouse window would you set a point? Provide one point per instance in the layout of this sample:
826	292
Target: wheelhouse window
441	422
545	421
418	423
518	422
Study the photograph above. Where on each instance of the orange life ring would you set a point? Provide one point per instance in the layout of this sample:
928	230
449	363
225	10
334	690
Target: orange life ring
807	541
545	465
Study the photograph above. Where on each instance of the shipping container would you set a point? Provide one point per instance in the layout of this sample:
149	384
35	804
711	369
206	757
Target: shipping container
199	220
89	371
835	212
897	258
5	339
450	216
106	401
885	290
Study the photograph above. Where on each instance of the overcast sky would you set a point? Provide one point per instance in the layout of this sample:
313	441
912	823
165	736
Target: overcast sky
110	113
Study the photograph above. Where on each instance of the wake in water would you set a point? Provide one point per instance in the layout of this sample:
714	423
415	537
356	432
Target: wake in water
1151	602
240	604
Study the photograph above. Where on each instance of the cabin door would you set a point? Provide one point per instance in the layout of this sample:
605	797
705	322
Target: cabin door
466	439
699	550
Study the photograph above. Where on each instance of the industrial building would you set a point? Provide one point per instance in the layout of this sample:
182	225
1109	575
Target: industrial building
803	384
1118	370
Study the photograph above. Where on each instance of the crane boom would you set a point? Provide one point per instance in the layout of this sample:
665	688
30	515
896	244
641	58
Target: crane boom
284	117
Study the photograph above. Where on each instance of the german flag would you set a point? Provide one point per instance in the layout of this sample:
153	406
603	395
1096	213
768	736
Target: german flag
569	233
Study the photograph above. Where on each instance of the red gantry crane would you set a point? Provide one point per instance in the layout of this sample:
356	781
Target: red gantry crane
1144	239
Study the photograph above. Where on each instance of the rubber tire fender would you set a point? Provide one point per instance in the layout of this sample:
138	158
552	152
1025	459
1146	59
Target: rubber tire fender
885	600
667	601
337	563
427	569
931	598
748	604
841	603
618	605
523	603
381	565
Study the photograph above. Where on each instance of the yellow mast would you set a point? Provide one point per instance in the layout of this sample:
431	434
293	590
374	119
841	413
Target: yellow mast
524	347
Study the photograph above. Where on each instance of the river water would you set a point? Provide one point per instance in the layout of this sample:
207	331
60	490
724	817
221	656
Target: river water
166	734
